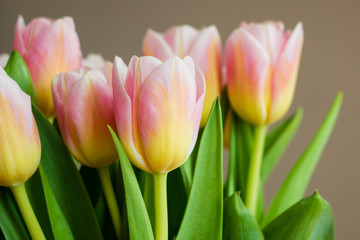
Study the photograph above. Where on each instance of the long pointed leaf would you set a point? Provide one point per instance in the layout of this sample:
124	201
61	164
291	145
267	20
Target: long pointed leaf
203	215
138	218
294	186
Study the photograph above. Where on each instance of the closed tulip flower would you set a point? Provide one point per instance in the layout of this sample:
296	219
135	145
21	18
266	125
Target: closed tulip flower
262	62
48	47
83	101
204	46
20	148
158	108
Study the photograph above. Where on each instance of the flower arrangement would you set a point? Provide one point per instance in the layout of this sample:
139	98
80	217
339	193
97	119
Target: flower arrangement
91	149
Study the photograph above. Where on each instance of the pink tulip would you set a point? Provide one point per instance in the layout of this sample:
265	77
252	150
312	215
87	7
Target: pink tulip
262	62
83	102
20	148
48	47
158	109
204	46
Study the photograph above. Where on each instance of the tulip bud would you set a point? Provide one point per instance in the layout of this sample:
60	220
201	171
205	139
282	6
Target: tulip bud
83	102
48	47
262	63
158	109
3	59
204	46
20	148
93	60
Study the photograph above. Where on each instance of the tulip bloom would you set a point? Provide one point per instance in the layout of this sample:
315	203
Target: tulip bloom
3	59
158	109
262	63
48	47
93	60
83	101
20	148
204	46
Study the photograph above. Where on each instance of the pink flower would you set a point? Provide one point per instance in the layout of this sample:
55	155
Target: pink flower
262	62
20	148
83	102
48	47
158	109
204	46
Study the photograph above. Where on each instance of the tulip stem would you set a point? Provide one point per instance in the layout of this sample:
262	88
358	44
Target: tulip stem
161	215
253	182
27	212
110	199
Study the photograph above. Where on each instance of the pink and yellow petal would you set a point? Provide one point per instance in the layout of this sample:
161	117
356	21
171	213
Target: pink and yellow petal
155	45
248	76
167	102
180	39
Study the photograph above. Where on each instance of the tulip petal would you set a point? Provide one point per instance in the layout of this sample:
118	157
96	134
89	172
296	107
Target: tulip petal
90	111
123	112
206	52
155	45
180	39
18	37
52	53
285	74
166	119
248	75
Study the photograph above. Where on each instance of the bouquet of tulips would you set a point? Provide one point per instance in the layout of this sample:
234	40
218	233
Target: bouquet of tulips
96	150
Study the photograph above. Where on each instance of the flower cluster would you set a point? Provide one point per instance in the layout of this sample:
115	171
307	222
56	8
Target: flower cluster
164	107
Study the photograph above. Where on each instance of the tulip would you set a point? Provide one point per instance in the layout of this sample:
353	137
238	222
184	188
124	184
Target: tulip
3	59
48	47
93	60
20	148
262	63
83	102
204	46
158	109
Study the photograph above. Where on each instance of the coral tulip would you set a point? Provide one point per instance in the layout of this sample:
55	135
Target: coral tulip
48	47
262	62
83	102
158	108
204	46
20	148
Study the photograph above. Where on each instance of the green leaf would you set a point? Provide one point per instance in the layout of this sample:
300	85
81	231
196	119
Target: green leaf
309	219
294	186
17	69
65	182
11	222
203	215
239	223
139	222
59	224
277	142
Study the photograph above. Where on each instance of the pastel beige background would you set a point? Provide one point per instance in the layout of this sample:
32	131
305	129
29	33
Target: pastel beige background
330	63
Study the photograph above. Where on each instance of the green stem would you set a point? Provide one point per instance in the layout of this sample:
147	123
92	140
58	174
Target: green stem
161	216
27	212
110	199
253	182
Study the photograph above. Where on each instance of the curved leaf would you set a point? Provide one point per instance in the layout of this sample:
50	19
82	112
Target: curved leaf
309	219
17	69
297	180
203	215
65	182
138	218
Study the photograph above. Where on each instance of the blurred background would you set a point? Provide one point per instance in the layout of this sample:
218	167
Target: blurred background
330	62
